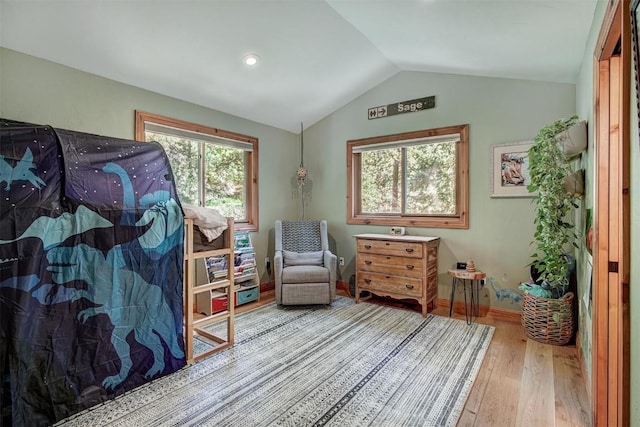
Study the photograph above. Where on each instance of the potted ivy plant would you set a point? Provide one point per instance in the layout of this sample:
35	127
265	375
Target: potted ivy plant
547	310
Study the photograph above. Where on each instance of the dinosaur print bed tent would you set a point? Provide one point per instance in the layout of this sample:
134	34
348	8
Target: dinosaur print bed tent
91	241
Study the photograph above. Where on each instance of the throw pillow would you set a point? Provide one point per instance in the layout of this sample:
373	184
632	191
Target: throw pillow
303	258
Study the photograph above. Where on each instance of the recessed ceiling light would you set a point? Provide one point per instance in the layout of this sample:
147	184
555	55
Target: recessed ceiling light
251	60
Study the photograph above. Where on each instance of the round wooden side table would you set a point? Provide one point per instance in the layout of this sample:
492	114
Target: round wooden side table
471	278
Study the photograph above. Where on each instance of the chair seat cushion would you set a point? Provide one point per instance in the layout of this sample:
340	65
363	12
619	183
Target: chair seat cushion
305	274
306	293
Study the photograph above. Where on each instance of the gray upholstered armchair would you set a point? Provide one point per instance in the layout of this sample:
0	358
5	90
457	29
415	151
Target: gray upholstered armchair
305	269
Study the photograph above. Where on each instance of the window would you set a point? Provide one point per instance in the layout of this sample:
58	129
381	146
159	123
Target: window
212	167
418	179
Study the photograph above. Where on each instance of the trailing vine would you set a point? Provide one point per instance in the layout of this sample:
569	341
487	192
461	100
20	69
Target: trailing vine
553	234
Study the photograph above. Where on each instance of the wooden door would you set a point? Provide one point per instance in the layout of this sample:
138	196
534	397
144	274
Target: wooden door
610	354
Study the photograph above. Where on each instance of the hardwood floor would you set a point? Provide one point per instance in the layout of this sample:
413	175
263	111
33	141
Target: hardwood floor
521	382
525	383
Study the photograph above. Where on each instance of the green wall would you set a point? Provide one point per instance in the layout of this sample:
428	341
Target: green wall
498	111
38	91
584	108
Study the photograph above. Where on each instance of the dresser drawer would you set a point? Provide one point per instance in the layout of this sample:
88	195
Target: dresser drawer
403	266
409	286
394	248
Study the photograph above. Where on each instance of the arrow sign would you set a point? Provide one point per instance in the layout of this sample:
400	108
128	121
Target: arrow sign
410	106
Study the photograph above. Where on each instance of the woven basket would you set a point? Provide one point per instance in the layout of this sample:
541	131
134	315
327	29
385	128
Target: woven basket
548	320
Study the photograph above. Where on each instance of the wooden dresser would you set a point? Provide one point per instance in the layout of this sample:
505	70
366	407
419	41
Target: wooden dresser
398	266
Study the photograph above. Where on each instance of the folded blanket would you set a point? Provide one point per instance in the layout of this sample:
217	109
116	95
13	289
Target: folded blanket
210	222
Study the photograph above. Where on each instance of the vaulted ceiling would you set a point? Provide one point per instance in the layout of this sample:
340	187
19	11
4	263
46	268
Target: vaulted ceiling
315	55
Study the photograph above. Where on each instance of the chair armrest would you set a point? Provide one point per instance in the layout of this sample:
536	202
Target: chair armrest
277	273
331	262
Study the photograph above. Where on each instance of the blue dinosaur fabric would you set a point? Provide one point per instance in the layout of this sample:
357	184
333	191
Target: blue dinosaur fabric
91	255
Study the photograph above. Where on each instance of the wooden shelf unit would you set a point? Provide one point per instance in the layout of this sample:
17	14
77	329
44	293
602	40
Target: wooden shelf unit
246	280
225	286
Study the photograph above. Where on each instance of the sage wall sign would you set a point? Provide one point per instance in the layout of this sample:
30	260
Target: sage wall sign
410	106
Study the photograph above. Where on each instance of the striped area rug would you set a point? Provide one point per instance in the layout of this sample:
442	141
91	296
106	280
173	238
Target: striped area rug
338	365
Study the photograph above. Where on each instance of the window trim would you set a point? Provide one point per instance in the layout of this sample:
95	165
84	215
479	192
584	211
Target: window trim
251	157
458	220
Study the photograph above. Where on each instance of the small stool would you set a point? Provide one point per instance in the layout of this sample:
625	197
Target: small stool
473	278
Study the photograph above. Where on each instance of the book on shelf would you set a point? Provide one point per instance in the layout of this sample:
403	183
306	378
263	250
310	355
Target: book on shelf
246	267
244	262
245	250
248	283
217	267
245	256
241	240
220	274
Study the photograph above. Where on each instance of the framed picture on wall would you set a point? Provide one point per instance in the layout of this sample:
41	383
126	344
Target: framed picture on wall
510	170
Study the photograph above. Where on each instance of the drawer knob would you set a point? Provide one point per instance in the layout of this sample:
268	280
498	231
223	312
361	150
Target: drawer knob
367	280
409	250
410	267
409	286
367	262
367	246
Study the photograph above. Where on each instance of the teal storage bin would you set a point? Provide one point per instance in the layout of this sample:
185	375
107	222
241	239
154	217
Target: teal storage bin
247	295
